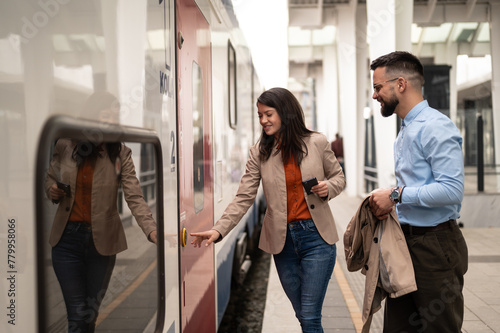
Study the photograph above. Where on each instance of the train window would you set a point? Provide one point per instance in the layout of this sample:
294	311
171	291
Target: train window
231	70
147	172
124	284
198	149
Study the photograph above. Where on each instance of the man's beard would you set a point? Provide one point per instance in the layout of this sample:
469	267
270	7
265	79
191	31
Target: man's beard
389	106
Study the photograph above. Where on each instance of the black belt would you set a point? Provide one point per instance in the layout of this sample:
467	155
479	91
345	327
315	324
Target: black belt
411	230
82	224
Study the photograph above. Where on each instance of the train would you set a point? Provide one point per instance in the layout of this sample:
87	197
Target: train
186	90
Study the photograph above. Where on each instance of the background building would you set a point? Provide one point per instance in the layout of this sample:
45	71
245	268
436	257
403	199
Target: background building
330	46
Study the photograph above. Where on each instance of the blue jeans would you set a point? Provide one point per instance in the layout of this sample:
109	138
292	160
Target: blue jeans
304	267
83	274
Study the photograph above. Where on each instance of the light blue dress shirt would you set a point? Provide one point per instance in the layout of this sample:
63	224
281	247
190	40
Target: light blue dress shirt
429	162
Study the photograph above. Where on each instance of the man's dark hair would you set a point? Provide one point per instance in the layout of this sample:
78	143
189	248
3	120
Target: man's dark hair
401	63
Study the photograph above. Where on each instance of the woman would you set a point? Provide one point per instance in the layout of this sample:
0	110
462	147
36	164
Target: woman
87	232
298	229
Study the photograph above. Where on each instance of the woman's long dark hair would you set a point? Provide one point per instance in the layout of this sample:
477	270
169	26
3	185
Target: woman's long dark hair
89	150
293	129
98	103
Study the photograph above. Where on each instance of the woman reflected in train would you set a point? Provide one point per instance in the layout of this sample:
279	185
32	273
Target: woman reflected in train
87	233
298	228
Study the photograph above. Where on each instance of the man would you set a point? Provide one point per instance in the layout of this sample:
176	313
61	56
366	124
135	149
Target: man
430	185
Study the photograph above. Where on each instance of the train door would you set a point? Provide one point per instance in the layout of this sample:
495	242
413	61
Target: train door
195	167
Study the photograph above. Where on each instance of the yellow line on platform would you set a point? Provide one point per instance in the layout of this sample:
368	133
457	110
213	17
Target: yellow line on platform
130	289
352	304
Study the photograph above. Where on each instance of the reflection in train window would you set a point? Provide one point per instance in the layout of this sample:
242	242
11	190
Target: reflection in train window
126	294
147	176
148	172
198	163
231	56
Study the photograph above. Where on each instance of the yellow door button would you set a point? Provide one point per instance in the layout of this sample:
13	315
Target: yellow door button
184	237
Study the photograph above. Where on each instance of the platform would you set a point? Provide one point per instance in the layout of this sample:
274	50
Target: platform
344	298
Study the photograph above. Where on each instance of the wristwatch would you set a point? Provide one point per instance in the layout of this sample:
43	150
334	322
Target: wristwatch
395	195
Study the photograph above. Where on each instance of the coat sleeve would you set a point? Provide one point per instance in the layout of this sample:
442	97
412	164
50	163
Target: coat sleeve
52	173
245	196
61	155
133	193
355	249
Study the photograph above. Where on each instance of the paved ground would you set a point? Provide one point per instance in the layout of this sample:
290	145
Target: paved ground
341	311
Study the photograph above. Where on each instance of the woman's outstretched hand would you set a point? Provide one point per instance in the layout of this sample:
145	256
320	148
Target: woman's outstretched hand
210	235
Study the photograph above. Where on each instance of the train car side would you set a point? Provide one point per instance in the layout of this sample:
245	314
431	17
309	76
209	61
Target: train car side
56	56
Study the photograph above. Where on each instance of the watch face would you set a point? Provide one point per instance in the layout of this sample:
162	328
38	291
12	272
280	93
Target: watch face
395	195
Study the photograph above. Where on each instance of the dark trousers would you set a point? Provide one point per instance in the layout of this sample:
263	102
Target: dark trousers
440	262
83	274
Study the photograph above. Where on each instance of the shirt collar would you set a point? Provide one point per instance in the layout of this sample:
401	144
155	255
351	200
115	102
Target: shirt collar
414	112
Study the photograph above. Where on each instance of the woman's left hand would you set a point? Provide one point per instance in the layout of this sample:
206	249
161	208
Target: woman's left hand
153	236
321	189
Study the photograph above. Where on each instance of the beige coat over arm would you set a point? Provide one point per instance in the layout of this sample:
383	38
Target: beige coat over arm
379	249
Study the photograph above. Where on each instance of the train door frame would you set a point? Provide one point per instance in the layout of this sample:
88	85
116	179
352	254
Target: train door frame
193	54
64	126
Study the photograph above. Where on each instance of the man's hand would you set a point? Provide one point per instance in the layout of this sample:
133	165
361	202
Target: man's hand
380	203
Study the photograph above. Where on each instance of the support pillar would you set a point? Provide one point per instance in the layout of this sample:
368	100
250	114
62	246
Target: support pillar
330	95
363	94
389	29
495	81
348	104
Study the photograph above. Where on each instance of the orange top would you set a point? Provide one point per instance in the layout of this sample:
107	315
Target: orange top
296	203
83	192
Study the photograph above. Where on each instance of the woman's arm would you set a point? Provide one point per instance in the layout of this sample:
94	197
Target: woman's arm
134	197
245	197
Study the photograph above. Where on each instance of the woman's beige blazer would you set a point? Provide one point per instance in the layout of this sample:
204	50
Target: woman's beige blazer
320	162
107	228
